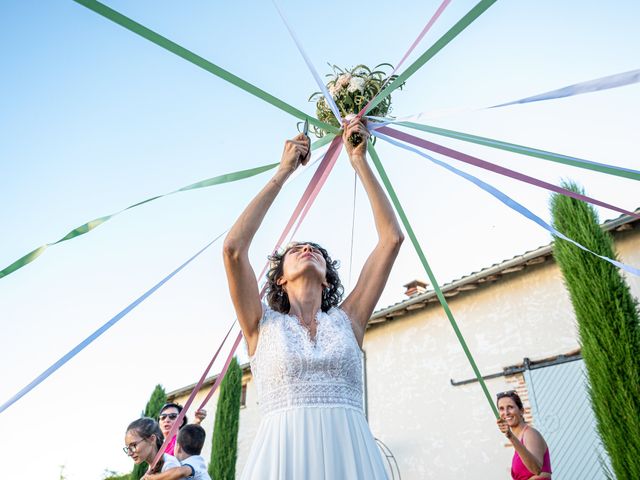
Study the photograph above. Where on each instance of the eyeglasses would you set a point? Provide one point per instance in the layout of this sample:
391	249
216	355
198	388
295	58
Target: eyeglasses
508	393
132	447
172	416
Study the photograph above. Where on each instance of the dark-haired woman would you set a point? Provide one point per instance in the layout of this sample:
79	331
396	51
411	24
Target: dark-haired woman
304	345
143	439
531	458
168	416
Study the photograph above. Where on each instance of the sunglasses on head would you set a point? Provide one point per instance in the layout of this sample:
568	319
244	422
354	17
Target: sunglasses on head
508	393
172	416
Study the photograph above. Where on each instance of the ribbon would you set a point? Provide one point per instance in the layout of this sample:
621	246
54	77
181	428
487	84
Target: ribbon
603	83
515	148
188	55
315	184
88	226
432	278
508	201
178	423
75	350
332	155
82	345
463	157
452	33
330	101
424	31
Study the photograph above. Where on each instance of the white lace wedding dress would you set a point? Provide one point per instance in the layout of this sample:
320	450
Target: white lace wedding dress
310	394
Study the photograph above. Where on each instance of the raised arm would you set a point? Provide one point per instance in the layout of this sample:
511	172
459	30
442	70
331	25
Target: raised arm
362	300
241	277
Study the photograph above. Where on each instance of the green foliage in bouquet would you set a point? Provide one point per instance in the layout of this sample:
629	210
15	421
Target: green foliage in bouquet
352	90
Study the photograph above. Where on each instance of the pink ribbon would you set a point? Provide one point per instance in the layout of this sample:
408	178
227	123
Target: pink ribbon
463	157
424	31
309	195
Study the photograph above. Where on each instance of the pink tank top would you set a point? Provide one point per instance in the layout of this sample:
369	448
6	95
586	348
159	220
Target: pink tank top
171	446
518	469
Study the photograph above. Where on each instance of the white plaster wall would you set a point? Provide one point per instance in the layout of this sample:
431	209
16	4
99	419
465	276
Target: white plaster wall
439	431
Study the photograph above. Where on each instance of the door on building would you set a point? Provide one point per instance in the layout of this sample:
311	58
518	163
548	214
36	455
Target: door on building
561	411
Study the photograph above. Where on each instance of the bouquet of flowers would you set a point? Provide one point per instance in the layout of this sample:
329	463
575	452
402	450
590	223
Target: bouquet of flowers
352	90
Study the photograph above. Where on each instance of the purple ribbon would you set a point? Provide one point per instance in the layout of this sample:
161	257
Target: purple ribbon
463	157
511	203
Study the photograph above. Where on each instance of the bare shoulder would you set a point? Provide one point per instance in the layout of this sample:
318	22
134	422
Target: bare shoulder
533	435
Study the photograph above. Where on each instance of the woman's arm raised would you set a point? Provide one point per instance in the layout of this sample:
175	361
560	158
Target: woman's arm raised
362	300
241	277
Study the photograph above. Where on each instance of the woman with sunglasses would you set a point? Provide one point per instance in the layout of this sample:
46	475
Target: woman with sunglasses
531	460
143	440
304	343
168	416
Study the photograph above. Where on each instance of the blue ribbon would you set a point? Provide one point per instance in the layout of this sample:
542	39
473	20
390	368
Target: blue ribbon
509	202
603	83
81	346
314	72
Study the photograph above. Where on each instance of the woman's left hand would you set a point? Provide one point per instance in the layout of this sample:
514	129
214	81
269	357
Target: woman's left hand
356	126
200	416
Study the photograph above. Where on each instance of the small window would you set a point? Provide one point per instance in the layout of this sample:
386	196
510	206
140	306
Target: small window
243	396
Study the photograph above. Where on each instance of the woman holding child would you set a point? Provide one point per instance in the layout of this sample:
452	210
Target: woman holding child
143	440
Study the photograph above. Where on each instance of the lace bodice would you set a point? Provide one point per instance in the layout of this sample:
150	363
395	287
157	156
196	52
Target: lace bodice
293	370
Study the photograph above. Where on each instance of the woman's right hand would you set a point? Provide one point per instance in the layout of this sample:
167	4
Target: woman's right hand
504	428
297	151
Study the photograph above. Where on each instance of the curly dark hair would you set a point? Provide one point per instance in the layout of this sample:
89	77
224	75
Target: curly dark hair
278	299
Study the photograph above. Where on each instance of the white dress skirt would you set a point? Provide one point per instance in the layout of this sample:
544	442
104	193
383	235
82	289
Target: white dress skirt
310	392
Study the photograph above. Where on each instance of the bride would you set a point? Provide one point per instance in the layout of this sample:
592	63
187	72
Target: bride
305	345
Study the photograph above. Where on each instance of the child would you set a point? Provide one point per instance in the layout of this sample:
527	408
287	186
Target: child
188	447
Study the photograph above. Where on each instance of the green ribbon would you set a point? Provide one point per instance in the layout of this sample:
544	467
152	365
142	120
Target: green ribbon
532	152
432	278
188	55
452	33
87	227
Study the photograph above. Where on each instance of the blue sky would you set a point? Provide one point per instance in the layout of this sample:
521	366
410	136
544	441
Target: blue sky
94	118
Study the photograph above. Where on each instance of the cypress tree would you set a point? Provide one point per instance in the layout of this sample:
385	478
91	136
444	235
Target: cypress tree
224	450
608	327
156	401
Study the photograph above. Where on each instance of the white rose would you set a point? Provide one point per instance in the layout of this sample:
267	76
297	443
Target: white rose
356	83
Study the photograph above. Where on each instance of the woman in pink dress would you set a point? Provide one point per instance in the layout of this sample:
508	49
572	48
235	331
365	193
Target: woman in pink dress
531	459
168	416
